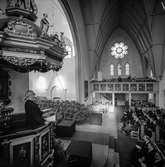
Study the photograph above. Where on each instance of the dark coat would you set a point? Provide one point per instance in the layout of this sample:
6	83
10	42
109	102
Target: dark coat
33	114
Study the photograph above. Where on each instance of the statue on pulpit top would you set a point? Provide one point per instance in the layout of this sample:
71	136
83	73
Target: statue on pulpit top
2	13
44	25
11	3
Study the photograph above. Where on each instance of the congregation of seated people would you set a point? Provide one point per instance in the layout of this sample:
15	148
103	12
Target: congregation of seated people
149	122
147	154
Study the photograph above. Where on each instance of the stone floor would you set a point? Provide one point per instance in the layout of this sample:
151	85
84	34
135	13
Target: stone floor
110	148
102	138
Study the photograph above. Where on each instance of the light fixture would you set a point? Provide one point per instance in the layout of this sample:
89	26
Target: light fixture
119	50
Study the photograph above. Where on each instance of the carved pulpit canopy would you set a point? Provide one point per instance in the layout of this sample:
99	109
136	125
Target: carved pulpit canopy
24	64
23	49
21	27
26	8
26	46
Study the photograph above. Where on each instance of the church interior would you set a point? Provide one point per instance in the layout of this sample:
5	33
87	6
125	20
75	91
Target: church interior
82	83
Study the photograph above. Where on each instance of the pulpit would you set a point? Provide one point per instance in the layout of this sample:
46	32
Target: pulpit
28	147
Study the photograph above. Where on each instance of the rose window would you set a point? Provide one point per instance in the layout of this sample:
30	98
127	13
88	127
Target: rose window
119	50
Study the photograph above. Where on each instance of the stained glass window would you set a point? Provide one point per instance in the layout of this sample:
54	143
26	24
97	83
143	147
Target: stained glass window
127	69
111	69
119	50
151	74
119	70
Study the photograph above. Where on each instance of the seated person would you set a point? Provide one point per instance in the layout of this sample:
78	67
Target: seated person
136	156
159	161
33	113
150	155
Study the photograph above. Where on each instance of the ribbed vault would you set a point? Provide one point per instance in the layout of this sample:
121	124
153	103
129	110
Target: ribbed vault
139	18
132	17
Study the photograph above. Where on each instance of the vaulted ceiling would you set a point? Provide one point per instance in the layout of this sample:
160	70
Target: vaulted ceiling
142	20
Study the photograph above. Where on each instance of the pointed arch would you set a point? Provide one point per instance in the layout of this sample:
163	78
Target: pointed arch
127	69
112	70
119	70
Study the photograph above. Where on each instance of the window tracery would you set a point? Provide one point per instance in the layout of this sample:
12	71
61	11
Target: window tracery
111	69
127	69
119	70
119	50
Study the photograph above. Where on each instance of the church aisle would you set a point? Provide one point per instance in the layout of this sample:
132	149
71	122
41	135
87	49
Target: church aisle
108	126
125	144
103	140
110	147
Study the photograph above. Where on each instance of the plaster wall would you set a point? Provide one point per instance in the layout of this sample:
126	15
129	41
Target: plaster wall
55	84
19	85
158	38
3	5
74	15
133	57
161	92
19	81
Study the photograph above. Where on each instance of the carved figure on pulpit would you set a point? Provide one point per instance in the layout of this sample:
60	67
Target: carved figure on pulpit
62	39
56	37
44	25
22	153
62	36
31	5
11	3
20	4
1	12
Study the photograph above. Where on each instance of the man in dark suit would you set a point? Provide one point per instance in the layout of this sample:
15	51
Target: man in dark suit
33	113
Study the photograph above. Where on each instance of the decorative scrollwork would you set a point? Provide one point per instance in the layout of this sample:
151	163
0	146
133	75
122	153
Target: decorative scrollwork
36	148
19	61
29	64
19	27
119	50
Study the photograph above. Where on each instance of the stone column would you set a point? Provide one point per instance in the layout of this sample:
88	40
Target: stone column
129	99
157	133
113	99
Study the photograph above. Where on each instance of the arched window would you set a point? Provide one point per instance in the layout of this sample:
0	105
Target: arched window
112	70
119	50
119	70
127	69
151	74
